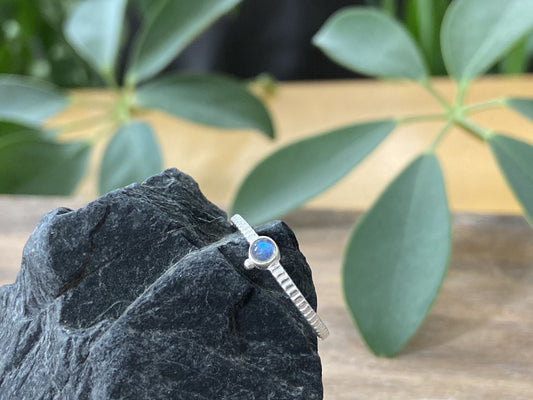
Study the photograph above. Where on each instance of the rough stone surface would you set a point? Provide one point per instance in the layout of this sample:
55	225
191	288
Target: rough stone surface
142	294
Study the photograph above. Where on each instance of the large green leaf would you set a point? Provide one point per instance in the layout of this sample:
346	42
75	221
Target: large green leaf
208	99
397	257
521	106
169	30
516	162
30	164
477	33
27	100
94	29
296	173
131	156
370	42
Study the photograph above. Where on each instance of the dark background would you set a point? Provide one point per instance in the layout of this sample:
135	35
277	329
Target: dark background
272	36
259	36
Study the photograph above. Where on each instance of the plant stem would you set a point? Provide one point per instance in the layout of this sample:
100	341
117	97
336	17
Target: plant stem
440	136
461	93
485	105
109	78
129	83
265	83
473	128
426	83
421	118
123	106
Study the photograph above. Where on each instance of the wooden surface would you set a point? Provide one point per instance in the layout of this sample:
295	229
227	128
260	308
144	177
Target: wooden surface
477	343
219	160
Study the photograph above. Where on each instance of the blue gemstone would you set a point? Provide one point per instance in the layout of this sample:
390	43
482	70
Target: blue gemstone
263	250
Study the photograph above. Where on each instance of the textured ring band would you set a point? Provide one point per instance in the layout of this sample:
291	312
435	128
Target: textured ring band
264	254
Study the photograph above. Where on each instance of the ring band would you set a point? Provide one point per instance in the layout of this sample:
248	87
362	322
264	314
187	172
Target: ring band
264	254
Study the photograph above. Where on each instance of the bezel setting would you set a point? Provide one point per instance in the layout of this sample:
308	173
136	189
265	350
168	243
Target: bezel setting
260	263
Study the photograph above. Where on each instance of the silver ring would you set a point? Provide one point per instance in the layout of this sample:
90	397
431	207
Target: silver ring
264	254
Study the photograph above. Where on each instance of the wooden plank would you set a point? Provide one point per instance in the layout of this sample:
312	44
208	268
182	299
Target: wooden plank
477	343
219	160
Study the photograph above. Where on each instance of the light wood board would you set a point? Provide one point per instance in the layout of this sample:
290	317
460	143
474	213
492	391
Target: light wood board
477	342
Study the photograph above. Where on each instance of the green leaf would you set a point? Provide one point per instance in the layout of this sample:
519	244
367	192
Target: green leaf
94	29
477	33
207	99
131	156
372	43
516	162
169	30
33	165
27	100
10	128
521	106
14	128
148	7
298	172
423	19
426	23
517	59
397	257
389	7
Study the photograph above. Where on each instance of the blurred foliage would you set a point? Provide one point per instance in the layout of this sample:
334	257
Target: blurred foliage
423	19
32	43
39	157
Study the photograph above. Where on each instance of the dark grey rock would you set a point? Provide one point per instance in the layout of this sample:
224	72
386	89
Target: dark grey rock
142	294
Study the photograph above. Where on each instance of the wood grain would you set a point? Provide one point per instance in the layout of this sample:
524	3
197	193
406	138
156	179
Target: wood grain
219	160
477	342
